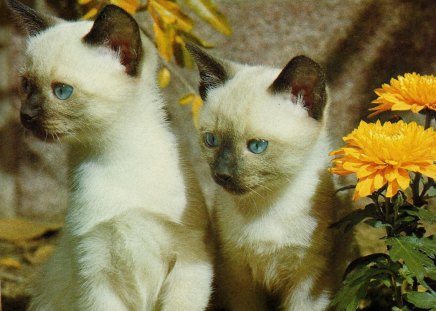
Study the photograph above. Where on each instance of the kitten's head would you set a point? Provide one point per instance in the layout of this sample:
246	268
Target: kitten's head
77	76
258	124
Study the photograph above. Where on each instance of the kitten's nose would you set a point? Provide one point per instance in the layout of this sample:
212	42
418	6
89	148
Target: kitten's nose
28	116
224	177
26	119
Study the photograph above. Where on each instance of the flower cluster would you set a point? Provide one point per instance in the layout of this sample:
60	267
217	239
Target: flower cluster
383	155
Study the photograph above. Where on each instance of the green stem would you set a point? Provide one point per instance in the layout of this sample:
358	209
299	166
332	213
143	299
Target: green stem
397	289
374	198
428	118
418	197
388	205
396	214
415	190
398	297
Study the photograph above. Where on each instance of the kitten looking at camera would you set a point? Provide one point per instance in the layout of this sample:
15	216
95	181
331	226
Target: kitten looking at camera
135	235
263	133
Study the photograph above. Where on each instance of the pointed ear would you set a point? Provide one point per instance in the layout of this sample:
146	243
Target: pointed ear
303	77
212	72
30	21
116	29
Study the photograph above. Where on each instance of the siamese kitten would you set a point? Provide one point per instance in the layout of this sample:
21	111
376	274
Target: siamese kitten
262	131
136	229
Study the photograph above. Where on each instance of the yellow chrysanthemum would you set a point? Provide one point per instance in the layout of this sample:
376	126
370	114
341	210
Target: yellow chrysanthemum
411	92
384	154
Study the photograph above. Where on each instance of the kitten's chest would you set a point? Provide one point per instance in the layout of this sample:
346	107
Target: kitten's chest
270	245
285	224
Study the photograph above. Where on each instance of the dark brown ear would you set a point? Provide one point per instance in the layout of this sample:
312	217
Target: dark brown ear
212	72
116	29
27	19
303	77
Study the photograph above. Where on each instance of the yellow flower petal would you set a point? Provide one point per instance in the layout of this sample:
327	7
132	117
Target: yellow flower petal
365	170
164	77
207	10
10	263
364	187
164	41
403	178
352	167
187	99
392	189
170	13
196	107
379	180
91	13
129	6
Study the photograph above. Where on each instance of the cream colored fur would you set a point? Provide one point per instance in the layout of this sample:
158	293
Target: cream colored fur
274	239
135	233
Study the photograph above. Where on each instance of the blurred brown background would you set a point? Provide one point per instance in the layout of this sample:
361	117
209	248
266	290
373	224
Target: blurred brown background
361	44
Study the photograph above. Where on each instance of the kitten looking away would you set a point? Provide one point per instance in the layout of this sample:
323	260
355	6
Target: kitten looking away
136	228
262	131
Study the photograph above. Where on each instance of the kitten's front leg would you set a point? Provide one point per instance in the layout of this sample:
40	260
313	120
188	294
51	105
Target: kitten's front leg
301	298
96	288
188	286
237	290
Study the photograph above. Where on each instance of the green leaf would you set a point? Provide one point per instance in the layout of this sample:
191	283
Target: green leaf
431	192
423	214
355	286
426	245
349	295
398	200
431	273
406	275
425	300
376	258
412	251
407	219
377	223
355	217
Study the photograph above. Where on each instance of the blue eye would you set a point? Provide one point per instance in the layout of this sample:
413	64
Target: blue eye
210	139
62	91
257	145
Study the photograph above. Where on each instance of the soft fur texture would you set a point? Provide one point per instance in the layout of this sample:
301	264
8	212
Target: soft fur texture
273	209
136	230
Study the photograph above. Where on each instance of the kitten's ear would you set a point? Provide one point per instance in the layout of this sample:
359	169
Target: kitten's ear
212	72
116	29
303	77
28	19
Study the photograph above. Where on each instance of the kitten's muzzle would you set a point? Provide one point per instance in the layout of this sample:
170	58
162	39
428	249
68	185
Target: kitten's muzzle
228	183
222	179
224	173
29	116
